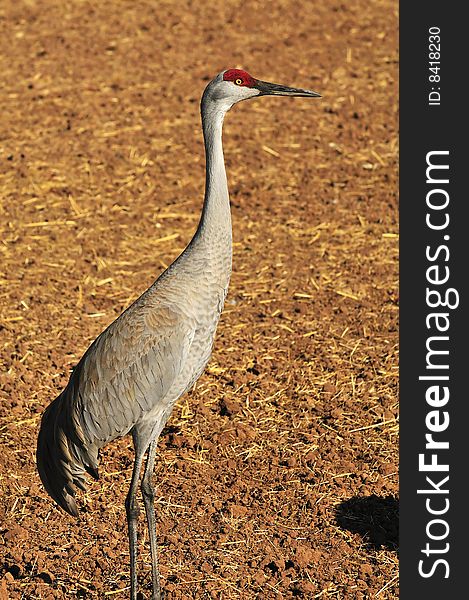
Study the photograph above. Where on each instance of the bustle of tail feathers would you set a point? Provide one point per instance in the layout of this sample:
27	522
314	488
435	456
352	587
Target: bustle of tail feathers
62	457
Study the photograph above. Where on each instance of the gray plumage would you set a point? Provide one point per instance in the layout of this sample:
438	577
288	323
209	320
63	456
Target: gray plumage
132	374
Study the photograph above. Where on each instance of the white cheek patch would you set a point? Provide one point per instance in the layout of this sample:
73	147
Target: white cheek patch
247	92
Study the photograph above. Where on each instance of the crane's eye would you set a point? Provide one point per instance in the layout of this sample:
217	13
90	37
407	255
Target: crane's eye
238	81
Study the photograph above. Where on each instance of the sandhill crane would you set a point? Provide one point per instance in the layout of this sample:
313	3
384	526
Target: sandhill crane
132	374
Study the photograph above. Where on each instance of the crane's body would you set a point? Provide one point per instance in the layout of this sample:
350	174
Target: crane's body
143	362
130	377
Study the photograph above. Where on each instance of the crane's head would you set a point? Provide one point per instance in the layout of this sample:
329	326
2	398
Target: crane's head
234	85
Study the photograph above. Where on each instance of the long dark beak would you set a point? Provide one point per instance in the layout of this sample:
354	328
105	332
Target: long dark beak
273	89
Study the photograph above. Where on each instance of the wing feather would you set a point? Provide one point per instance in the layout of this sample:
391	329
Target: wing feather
129	369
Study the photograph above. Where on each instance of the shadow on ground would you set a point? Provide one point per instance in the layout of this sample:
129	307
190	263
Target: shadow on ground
375	519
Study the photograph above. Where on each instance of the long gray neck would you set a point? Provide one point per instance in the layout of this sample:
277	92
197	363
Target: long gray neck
216	216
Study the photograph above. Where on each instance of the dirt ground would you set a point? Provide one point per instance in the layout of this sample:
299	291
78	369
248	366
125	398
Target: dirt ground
277	476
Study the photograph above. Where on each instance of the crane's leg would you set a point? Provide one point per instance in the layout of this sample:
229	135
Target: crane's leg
132	515
148	493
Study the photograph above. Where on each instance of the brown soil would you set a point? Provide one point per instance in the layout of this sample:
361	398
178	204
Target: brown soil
277	475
